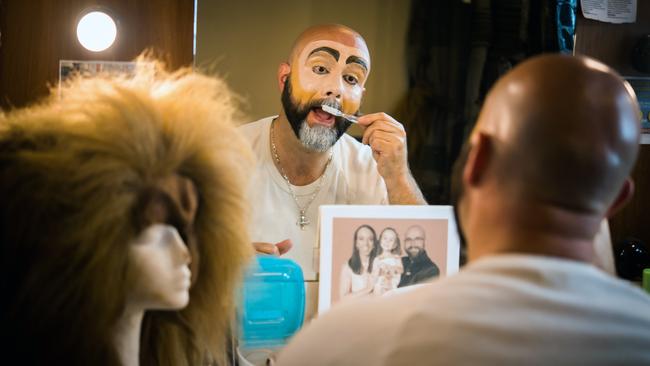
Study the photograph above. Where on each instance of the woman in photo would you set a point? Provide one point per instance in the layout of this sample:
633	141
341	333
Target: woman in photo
356	279
387	267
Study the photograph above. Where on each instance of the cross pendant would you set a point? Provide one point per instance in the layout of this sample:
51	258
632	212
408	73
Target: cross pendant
302	221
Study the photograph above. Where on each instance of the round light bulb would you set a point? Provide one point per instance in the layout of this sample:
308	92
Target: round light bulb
96	31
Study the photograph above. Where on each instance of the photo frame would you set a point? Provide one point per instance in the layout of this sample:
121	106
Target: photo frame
427	246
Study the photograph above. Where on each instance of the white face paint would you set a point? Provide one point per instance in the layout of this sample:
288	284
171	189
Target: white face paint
331	70
158	265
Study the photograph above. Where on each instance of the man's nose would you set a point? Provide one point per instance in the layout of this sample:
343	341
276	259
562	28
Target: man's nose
333	87
331	93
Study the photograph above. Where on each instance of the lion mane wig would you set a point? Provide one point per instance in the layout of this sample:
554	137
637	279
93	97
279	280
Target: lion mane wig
73	172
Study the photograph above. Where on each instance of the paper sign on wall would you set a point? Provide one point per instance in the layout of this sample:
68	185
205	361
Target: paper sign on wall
609	11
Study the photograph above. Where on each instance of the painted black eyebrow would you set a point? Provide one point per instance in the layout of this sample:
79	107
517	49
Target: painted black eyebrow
329	50
357	60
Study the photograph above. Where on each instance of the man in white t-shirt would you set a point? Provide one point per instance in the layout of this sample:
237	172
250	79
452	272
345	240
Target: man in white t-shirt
305	159
549	158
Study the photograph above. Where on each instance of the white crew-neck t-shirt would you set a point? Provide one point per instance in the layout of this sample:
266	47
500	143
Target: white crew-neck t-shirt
350	178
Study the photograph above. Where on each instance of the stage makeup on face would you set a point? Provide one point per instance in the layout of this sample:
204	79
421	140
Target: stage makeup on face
331	70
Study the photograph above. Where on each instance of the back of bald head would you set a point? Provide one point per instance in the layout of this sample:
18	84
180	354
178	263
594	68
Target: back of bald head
566	131
332	32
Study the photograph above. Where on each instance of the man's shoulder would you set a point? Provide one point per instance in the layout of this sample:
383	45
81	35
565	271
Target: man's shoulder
369	323
351	144
428	262
429	269
357	155
257	135
256	128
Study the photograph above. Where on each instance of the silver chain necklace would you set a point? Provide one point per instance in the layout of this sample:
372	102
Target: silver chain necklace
302	220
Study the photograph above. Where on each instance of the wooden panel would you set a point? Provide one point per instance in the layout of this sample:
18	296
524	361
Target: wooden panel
613	44
36	34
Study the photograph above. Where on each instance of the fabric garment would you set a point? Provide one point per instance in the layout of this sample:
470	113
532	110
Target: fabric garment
417	270
501	310
350	178
358	282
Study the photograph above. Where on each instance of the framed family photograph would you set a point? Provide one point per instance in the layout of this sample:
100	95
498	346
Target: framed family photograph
375	250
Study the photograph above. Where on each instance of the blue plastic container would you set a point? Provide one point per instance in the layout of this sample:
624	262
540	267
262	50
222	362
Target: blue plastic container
273	303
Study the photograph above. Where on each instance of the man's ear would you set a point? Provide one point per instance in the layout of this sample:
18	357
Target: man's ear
283	74
624	196
478	159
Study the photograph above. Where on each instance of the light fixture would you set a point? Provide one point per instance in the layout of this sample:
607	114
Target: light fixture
96	31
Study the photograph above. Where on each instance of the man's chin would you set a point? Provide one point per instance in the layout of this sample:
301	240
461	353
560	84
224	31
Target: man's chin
413	254
317	138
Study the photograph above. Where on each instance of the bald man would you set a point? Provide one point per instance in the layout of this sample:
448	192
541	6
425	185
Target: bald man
549	158
417	265
304	158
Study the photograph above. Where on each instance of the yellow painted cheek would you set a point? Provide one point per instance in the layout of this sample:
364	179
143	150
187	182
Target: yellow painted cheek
350	106
351	100
300	95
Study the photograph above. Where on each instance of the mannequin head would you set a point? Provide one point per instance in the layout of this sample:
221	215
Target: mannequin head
158	264
122	193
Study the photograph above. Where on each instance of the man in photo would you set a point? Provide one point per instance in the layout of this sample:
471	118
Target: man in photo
418	267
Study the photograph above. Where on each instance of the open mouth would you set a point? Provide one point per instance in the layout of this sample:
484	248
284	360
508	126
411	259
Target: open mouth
321	116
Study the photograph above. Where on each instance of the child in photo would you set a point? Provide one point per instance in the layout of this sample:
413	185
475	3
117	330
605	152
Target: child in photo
387	266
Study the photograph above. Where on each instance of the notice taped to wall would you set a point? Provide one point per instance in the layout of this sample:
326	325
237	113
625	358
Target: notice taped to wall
68	68
74	68
610	11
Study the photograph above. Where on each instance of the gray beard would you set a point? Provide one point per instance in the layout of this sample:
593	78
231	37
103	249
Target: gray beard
317	138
